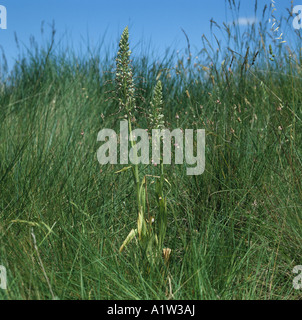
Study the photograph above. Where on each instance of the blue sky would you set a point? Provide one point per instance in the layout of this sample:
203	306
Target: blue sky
156	22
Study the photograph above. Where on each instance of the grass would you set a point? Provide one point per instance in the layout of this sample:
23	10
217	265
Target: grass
235	231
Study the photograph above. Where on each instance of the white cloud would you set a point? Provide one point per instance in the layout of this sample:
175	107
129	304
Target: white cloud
244	21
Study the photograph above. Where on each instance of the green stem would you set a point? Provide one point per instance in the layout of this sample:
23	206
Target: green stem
135	170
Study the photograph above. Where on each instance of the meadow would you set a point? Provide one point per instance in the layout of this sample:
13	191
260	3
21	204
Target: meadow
234	232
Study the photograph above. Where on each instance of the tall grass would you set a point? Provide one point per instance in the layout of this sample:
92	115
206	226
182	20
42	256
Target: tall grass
235	231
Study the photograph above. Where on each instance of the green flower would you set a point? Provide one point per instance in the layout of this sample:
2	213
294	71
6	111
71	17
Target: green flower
156	116
124	79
